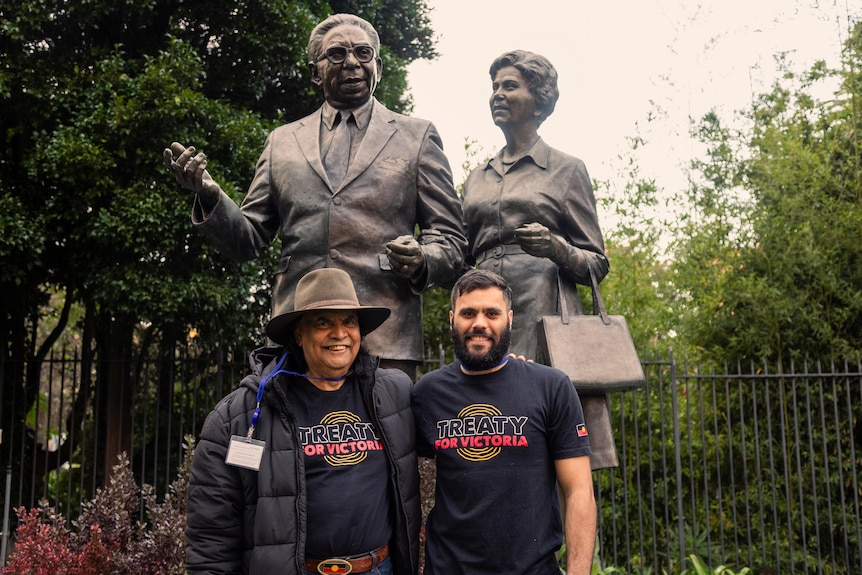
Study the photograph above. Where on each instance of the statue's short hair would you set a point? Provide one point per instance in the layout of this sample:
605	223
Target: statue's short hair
480	279
315	39
540	74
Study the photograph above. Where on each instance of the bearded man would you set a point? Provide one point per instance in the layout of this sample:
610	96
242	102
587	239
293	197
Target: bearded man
504	434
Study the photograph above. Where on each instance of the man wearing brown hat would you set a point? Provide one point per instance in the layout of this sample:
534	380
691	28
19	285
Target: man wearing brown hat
309	466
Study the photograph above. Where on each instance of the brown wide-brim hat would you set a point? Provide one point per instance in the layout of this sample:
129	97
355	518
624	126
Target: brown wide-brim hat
324	289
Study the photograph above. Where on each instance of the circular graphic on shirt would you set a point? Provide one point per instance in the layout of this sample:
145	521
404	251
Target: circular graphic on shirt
347	456
481	432
341	438
478	452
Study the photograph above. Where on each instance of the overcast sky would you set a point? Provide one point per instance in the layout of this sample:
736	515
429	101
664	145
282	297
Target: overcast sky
618	62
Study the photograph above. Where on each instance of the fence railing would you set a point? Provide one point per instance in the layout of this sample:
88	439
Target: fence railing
751	466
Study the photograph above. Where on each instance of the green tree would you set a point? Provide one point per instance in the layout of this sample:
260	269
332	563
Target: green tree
708	237
769	258
92	91
638	284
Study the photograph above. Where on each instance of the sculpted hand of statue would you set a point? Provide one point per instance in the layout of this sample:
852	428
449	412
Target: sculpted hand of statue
537	240
406	256
190	171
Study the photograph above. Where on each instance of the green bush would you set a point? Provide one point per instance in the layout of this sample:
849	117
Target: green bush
699	568
123	530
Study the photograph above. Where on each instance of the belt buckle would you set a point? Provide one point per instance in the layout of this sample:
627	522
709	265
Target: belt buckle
499	251
335	565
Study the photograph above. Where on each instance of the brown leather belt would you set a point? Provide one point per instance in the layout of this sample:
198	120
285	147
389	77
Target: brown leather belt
341	566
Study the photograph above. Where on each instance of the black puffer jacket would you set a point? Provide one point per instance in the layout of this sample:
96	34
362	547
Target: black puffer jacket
254	522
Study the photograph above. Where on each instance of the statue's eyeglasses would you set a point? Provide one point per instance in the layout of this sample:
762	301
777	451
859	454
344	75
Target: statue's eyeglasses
338	54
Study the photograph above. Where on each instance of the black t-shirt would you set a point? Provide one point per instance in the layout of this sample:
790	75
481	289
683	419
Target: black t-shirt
495	438
346	471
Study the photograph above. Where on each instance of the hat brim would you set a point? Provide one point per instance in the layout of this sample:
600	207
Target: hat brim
280	328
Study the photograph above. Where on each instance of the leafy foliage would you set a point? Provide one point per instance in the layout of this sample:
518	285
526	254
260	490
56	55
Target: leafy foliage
762	254
43	548
108	538
95	237
638	286
762	455
96	90
769	254
699	567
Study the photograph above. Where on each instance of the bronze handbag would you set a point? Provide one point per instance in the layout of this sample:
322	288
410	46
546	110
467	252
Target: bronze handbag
595	351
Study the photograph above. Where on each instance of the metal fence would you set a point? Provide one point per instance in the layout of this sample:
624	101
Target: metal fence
751	466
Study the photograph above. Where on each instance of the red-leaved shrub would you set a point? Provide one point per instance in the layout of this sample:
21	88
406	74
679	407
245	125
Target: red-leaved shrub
107	538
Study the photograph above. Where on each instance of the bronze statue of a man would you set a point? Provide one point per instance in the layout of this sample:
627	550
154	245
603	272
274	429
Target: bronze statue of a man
344	187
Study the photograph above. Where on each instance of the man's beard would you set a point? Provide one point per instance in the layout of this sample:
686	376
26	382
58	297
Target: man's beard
481	362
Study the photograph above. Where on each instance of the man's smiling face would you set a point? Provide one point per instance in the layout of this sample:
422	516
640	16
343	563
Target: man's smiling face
330	341
481	328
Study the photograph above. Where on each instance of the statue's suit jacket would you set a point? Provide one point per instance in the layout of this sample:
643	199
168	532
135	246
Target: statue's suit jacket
398	180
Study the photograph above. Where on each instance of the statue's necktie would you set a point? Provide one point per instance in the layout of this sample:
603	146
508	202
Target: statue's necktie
338	154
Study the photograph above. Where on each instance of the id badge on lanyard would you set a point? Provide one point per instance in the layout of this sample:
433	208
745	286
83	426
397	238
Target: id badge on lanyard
245	451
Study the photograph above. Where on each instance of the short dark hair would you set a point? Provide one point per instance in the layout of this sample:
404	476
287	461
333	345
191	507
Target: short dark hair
315	39
540	74
480	279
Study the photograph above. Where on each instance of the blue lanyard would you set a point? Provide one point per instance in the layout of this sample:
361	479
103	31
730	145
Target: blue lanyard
272	374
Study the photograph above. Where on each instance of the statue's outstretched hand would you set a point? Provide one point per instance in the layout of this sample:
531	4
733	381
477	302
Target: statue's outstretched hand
190	171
